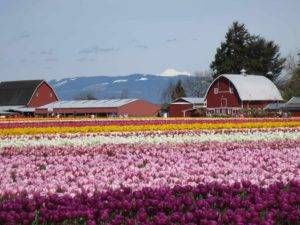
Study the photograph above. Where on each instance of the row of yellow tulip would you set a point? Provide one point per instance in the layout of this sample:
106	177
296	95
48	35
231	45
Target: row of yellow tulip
150	127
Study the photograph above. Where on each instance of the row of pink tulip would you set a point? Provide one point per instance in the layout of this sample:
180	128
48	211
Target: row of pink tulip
66	170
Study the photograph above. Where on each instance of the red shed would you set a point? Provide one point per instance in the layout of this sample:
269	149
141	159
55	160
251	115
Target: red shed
108	107
181	106
229	93
23	96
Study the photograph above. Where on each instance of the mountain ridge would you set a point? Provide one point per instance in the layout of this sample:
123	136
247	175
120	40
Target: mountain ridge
145	86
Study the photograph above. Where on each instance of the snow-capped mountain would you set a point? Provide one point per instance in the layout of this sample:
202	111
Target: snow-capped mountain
145	86
173	72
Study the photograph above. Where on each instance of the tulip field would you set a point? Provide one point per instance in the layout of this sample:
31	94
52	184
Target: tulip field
150	171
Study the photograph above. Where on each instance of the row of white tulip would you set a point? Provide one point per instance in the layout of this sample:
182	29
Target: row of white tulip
149	137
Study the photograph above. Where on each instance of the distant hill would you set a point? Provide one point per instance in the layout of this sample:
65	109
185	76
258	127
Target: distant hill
144	86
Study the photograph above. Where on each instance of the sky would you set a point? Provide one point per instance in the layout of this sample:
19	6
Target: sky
53	39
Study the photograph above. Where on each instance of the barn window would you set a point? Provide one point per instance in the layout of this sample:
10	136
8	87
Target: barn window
51	95
216	91
37	94
230	90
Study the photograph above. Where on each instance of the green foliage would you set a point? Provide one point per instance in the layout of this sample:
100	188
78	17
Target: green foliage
254	112
251	52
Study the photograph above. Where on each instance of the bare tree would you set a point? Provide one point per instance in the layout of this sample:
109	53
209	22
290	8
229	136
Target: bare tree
196	86
290	63
124	93
85	96
166	95
290	66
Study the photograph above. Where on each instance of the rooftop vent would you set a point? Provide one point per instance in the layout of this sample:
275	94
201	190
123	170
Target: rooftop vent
269	74
243	72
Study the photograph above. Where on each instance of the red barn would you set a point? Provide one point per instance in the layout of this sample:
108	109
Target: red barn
23	96
109	107
229	93
182	107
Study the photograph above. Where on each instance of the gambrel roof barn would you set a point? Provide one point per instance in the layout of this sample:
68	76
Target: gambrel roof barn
231	92
25	95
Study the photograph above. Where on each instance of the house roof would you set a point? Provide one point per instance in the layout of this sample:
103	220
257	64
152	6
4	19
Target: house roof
192	100
108	103
14	93
254	87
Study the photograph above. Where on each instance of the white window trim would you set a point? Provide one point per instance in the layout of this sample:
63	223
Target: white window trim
216	91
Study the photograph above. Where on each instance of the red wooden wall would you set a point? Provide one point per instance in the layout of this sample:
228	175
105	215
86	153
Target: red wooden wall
215	100
176	110
43	95
139	108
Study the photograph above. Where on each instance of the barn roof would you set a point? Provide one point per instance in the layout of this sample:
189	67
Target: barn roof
17	92
254	87
192	100
108	103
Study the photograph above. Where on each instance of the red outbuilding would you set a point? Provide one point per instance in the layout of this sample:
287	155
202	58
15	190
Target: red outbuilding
293	106
229	93
23	96
105	108
184	106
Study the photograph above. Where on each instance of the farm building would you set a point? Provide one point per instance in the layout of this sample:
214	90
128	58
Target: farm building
111	107
291	107
229	93
21	97
183	107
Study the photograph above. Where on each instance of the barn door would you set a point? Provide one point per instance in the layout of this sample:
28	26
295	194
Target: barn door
223	102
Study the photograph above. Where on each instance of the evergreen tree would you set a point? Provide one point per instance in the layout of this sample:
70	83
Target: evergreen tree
231	55
263	58
178	91
251	52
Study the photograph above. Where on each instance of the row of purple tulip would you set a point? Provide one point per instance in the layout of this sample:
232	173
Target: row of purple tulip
240	203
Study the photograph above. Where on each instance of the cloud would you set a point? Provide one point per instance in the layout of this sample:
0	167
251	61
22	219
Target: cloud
22	35
141	46
96	50
171	40
23	61
51	59
46	52
85	59
133	41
